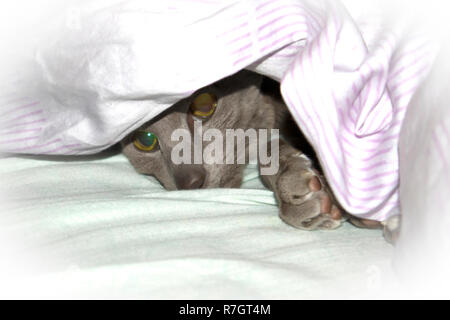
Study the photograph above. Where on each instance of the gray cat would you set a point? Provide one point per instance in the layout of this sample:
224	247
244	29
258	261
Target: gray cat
244	100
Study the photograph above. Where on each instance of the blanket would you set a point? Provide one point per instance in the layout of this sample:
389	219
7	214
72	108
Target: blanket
347	71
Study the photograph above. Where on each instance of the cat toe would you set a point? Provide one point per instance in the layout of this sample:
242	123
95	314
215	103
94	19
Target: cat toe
309	210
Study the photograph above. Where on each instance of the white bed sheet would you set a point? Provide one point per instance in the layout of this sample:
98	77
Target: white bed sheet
91	227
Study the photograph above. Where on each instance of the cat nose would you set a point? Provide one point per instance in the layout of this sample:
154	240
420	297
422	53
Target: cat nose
190	178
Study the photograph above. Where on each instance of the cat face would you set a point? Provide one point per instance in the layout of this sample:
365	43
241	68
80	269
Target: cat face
228	104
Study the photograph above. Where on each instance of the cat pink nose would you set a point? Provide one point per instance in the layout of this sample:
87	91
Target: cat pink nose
190	178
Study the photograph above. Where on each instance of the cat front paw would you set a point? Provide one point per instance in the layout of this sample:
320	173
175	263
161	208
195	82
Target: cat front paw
304	199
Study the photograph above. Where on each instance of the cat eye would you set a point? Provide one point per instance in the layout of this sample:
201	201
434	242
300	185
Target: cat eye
145	141
204	105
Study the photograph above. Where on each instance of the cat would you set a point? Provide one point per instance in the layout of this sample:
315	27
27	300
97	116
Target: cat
242	101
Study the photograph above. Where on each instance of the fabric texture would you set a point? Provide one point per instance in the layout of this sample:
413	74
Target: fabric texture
347	74
90	227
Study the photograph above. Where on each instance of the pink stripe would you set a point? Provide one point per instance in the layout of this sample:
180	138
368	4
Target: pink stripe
243	48
286	95
21	131
375	123
301	69
338	186
355	147
262	5
317	19
19	108
395	73
240	15
23	116
398	122
345	119
367	86
363	103
385	120
239	27
405	95
379	213
412	77
358	106
356	153
319	120
294	23
383	139
372	156
381	86
272	22
374	166
327	143
19	140
247	35
240	60
351	134
378	198
401	55
307	12
24	123
36	146
270	12
375	176
277	42
375	187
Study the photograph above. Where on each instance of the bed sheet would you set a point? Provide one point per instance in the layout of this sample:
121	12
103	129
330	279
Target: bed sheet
90	227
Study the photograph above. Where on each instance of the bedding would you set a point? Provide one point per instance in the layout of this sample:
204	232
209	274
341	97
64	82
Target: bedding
78	225
91	227
347	70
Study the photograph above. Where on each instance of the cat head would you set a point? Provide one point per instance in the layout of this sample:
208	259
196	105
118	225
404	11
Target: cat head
227	104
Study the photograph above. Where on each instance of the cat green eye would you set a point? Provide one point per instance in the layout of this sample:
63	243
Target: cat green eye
145	141
204	105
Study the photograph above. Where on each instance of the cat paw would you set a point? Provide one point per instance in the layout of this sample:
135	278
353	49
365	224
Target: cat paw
304	200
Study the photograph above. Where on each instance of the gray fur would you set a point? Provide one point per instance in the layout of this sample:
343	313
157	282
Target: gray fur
241	104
